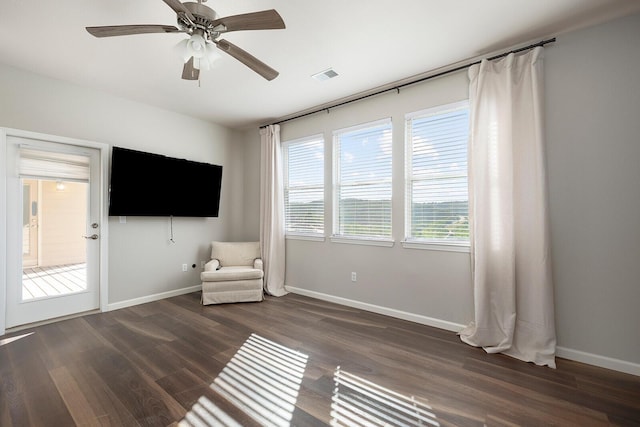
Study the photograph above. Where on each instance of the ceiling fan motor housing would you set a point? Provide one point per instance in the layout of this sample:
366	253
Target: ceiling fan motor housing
204	17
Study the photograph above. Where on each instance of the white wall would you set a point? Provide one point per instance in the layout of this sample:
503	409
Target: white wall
593	150
142	261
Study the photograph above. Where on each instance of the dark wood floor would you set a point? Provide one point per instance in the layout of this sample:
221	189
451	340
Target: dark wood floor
290	359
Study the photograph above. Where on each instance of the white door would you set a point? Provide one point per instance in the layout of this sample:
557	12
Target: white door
62	277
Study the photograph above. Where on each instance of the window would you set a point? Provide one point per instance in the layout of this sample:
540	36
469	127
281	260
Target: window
362	179
303	161
437	199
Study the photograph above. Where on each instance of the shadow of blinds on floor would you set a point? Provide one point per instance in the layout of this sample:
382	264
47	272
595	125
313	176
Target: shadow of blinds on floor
262	379
358	402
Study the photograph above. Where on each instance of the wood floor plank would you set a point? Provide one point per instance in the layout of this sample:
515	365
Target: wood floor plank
144	399
180	381
155	361
102	399
46	407
194	359
81	410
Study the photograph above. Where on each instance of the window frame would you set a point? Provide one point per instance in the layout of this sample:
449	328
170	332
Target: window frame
409	241
336	237
301	235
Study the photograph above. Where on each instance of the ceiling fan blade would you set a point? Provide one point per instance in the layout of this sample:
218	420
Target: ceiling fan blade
264	20
247	59
179	8
189	72
126	30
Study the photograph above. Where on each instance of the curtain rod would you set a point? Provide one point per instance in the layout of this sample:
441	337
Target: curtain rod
420	80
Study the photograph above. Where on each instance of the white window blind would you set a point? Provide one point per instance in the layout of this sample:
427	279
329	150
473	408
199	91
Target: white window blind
362	204
304	186
37	163
437	189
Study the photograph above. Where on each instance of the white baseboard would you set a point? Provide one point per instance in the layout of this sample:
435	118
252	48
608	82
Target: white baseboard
151	298
600	361
563	352
398	314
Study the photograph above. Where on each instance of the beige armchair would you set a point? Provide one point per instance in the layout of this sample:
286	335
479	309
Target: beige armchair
234	273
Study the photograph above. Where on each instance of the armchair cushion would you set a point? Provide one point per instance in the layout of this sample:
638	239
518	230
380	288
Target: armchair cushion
235	253
231	273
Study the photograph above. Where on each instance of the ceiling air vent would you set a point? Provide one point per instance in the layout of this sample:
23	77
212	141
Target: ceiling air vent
325	75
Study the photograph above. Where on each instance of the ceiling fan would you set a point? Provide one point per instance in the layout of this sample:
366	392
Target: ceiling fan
205	27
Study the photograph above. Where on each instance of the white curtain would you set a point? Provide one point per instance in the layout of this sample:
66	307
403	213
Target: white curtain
272	211
513	289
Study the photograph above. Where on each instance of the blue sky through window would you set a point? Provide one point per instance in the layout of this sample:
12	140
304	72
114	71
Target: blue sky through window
439	158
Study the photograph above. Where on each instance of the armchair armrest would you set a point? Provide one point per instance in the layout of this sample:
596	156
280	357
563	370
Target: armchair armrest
257	263
212	265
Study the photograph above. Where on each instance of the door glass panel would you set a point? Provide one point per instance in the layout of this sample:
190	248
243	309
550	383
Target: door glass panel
57	218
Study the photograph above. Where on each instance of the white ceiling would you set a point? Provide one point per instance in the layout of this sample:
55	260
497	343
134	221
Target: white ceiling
369	43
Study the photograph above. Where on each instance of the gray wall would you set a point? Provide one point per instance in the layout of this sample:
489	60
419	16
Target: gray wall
593	150
433	284
593	132
421	282
251	185
142	261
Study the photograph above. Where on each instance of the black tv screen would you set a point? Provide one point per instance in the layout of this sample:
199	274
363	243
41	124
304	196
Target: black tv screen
146	184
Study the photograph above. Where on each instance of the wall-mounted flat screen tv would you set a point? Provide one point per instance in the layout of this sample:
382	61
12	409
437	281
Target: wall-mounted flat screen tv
147	184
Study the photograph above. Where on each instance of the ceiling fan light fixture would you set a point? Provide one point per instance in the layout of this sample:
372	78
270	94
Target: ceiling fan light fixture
206	61
204	54
197	46
182	50
212	54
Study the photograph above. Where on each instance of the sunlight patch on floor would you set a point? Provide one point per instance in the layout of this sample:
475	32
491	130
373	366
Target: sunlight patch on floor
262	379
205	413
6	341
358	402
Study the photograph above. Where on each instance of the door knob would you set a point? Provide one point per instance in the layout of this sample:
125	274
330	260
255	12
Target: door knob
92	237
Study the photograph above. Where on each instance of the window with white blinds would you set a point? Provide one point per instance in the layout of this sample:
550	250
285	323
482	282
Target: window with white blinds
437	190
304	186
362	181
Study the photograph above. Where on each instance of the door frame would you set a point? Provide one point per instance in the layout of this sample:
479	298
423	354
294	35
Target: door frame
103	201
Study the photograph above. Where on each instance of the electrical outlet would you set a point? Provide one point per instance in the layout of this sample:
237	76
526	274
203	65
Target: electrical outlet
184	267
354	277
